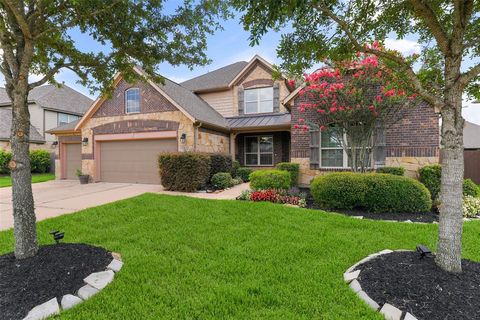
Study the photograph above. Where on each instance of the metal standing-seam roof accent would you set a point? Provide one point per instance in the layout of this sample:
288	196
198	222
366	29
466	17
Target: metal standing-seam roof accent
471	136
6	126
219	78
261	120
51	97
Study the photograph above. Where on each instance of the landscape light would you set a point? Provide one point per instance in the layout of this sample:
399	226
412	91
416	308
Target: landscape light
57	235
423	250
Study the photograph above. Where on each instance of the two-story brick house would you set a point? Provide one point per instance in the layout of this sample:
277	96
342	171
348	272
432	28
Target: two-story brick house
238	109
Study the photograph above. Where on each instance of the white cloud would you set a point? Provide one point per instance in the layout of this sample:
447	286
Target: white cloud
404	46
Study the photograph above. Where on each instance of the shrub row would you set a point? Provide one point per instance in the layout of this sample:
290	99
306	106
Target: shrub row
293	168
398	171
431	177
39	161
270	179
373	192
185	171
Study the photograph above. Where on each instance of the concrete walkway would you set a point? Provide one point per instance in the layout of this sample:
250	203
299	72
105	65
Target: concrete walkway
59	197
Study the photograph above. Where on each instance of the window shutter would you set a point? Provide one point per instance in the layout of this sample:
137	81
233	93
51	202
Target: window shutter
314	149
379	151
276	98
240	101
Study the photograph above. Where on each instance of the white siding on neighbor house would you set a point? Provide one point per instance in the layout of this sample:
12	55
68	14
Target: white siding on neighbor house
51	121
36	117
222	101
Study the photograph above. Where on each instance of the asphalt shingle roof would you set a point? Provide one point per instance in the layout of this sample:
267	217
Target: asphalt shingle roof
261	120
193	104
219	78
471	136
6	125
65	127
63	99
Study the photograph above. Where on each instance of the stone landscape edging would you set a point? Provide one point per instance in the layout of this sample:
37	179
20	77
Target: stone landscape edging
389	311
94	283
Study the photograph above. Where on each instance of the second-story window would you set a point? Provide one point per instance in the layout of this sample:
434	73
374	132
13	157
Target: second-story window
259	100
132	100
64	118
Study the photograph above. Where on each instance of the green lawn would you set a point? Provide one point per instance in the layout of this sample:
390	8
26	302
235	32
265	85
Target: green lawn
189	258
6	181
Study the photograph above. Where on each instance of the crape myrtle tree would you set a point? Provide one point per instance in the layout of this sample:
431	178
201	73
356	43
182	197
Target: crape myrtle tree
355	101
36	39
449	35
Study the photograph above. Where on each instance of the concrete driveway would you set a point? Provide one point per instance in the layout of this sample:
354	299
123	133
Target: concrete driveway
58	197
54	198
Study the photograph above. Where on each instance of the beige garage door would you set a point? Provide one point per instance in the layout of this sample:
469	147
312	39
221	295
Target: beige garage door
132	161
73	155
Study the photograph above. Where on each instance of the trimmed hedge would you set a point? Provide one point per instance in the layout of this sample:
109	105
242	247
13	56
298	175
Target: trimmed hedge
431	177
270	179
398	171
185	171
222	180
220	163
5	158
40	161
244	173
373	192
470	188
293	168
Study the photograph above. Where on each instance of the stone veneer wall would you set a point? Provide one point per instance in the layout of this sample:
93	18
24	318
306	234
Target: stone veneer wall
212	141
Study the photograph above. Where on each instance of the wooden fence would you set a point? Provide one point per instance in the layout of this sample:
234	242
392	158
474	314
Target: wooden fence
472	165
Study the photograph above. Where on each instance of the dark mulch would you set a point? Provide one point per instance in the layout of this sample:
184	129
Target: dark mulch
421	288
426	217
55	271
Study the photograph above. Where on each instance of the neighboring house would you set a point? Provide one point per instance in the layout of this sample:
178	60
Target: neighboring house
50	106
238	109
471	142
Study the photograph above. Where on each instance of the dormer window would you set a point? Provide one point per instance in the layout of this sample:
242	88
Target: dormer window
259	100
132	100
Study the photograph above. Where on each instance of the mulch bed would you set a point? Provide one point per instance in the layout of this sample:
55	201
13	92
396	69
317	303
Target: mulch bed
420	287
55	271
426	217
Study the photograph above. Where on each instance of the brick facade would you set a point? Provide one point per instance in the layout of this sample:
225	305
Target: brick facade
151	101
137	125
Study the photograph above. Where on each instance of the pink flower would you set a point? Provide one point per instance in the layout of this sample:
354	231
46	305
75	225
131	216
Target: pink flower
379	98
333	109
323	128
390	93
321	111
300	120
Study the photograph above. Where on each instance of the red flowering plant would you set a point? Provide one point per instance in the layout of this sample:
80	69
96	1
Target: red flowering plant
354	102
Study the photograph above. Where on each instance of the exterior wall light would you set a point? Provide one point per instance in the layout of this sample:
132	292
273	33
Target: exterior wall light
54	144
183	138
85	141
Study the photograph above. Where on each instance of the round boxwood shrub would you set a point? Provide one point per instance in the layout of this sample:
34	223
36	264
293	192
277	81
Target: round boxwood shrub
470	188
269	179
40	161
372	192
185	171
220	163
222	180
398	171
244	173
293	168
343	190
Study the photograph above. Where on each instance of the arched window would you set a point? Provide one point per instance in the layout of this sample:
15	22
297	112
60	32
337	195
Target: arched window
132	100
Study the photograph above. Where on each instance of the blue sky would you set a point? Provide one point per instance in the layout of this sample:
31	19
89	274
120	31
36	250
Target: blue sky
231	45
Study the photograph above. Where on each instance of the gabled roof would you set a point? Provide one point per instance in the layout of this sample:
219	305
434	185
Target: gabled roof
65	128
185	100
471	136
216	79
6	125
248	66
51	97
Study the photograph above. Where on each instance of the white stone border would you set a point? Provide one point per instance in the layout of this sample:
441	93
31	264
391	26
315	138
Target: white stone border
389	311
93	284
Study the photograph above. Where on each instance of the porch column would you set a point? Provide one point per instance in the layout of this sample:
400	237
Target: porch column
233	136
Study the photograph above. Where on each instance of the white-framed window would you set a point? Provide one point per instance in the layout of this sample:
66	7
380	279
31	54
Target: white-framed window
64	118
259	151
332	154
132	100
258	100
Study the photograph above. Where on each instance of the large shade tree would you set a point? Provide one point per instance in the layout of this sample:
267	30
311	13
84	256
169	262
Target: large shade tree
449	34
36	38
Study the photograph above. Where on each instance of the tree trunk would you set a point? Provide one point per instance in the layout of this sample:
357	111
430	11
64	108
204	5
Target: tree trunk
23	206
449	248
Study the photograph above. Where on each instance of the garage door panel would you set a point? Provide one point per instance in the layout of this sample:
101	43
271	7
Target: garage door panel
133	161
73	161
